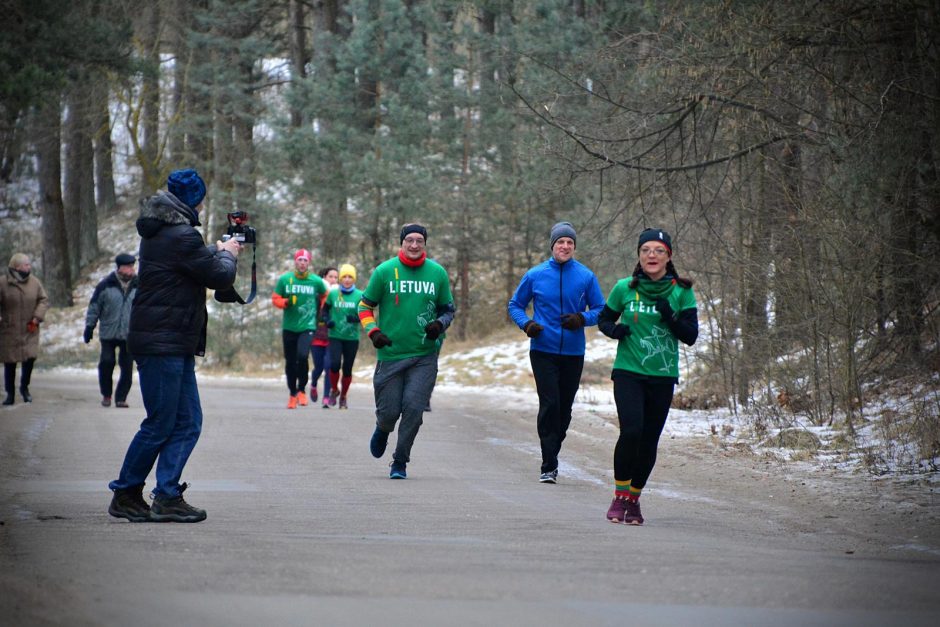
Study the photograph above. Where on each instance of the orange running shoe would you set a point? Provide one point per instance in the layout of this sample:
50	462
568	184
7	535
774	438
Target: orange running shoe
301	399
292	402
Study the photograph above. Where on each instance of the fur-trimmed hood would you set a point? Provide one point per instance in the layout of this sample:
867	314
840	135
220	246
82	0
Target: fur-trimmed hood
161	210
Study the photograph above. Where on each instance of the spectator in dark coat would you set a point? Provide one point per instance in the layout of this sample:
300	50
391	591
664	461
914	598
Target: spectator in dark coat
167	331
110	306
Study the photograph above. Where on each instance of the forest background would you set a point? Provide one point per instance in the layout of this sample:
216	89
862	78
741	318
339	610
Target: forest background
790	148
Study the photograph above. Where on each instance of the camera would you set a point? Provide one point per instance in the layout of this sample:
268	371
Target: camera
239	230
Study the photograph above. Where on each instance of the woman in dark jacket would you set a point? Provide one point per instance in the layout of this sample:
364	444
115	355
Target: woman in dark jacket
167	329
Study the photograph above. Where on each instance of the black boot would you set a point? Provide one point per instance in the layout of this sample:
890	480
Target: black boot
27	397
9	399
129	503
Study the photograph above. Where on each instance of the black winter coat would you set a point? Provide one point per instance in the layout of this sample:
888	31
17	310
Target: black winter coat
169	313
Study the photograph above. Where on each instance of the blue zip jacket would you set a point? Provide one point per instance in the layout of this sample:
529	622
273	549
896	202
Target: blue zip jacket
554	289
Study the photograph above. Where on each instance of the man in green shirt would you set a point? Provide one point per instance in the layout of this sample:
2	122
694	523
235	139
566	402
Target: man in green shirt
298	294
412	294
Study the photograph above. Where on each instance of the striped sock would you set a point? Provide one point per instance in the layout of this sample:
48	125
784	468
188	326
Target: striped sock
634	494
621	489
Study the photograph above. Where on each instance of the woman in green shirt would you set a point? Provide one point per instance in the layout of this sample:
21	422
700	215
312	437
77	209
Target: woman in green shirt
341	313
656	309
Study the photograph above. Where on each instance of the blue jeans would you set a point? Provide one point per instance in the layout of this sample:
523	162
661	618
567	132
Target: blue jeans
169	433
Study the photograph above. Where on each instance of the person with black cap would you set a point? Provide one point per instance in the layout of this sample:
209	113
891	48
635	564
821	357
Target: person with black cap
412	294
648	313
565	298
110	305
167	330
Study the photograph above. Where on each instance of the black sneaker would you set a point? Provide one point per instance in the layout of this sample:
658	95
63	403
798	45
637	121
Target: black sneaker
175	509
549	477
129	503
378	442
397	471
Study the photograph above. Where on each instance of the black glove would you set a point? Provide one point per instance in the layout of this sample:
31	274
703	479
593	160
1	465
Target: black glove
662	306
572	322
380	340
620	331
87	335
434	329
532	328
330	324
352	319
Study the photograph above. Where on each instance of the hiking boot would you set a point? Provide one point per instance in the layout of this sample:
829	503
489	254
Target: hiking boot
129	503
292	402
342	403
397	471
313	395
632	515
301	399
106	401
175	509
617	510
549	477
27	397
378	443
120	404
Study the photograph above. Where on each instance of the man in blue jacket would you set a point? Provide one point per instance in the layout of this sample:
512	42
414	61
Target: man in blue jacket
565	297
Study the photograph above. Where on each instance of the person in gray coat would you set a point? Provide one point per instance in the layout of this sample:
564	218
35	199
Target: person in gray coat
110	306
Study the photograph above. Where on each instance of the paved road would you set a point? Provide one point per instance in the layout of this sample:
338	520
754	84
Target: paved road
304	527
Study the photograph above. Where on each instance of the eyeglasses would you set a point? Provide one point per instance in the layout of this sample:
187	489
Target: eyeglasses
659	251
413	241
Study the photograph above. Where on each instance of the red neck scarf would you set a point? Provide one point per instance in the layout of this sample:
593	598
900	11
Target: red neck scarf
408	262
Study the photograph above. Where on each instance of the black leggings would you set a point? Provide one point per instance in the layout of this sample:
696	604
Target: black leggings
9	375
345	350
296	367
106	369
642	408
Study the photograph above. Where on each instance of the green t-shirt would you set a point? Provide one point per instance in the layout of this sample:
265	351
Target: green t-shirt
341	306
303	300
651	349
407	299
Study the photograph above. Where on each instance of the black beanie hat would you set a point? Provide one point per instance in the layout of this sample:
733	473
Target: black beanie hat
124	259
655	235
412	228
562	229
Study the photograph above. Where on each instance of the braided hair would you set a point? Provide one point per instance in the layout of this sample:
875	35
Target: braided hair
670	270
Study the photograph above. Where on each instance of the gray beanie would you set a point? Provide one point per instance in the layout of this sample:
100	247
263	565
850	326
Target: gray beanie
563	229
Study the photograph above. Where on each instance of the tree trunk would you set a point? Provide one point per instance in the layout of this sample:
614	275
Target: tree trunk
80	180
55	260
300	56
151	157
104	149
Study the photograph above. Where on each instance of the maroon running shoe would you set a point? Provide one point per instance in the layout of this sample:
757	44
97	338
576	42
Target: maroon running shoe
617	510
632	516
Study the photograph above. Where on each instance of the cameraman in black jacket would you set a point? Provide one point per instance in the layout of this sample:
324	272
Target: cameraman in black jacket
167	331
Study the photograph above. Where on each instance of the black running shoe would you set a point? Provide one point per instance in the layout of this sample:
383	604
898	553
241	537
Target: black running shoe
549	477
378	442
